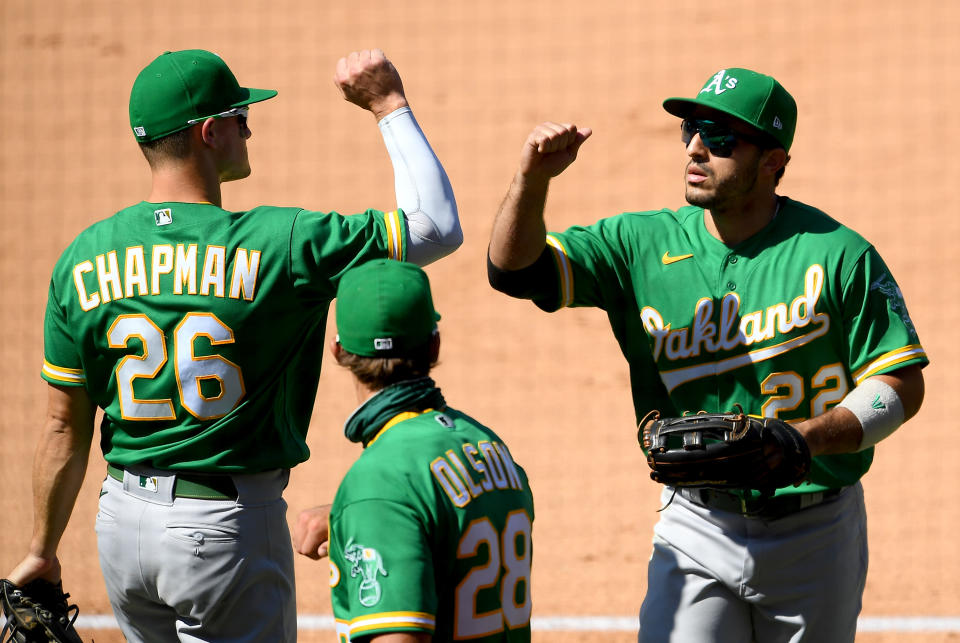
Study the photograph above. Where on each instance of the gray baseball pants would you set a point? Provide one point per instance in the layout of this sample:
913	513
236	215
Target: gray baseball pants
718	576
198	570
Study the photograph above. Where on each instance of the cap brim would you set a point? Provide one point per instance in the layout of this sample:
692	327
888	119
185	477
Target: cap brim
683	107
254	95
680	107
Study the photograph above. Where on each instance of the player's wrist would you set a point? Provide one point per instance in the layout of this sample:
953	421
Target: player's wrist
387	104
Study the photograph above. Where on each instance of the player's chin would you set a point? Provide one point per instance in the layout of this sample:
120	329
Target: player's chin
697	195
236	174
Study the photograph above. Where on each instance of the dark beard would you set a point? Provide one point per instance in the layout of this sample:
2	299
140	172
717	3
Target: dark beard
732	188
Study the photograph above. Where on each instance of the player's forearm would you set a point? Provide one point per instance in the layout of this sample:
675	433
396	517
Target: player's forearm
59	466
423	190
836	431
840	431
519	232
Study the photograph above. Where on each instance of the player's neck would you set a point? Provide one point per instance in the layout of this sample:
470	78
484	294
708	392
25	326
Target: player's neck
363	391
734	225
186	184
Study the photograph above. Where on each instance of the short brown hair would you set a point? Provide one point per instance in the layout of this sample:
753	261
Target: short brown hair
174	146
380	372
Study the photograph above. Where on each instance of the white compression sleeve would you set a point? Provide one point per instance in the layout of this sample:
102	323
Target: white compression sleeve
879	409
423	189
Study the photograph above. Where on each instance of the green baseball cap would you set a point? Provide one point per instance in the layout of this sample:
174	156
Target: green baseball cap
180	88
756	99
385	309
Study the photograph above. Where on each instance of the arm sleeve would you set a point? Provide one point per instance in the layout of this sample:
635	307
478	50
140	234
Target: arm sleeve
382	574
424	194
880	334
527	282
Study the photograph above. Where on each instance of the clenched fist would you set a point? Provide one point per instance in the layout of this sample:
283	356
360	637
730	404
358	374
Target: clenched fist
368	79
551	148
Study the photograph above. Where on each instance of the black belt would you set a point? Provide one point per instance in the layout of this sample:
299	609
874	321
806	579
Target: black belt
193	485
767	508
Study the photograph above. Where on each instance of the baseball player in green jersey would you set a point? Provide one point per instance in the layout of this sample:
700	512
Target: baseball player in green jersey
199	332
742	297
430	530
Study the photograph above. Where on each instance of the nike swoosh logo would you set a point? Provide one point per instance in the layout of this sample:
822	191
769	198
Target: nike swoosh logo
667	259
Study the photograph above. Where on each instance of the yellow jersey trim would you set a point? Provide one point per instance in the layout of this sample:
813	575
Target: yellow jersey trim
395	420
63	374
564	270
885	361
386	620
394	235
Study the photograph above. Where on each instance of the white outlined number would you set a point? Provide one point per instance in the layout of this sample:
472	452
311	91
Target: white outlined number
787	391
191	370
509	553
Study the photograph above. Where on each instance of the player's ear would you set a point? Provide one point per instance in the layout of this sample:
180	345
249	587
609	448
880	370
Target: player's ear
335	348
210	132
773	160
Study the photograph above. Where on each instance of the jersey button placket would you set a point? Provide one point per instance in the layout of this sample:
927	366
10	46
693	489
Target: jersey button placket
731	260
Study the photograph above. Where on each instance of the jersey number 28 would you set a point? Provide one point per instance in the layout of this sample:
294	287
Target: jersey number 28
509	551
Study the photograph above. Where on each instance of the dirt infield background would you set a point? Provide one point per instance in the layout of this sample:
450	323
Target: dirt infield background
876	83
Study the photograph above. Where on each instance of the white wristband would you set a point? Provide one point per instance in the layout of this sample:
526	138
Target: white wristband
879	409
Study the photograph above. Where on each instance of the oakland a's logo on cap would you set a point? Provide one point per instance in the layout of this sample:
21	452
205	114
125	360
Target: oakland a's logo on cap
720	83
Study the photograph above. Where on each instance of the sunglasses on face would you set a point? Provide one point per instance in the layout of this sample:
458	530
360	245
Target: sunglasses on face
718	138
239	112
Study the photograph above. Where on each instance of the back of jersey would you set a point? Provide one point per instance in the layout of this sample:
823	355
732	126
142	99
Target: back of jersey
439	504
199	331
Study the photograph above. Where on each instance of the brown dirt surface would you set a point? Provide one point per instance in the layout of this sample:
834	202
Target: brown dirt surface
874	148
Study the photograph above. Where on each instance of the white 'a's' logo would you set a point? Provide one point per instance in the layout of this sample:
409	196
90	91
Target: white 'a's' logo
720	83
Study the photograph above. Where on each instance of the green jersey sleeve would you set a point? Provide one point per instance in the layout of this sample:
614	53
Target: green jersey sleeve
880	334
324	245
591	266
61	361
382	575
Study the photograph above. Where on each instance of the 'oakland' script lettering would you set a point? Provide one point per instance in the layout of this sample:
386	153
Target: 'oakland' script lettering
734	329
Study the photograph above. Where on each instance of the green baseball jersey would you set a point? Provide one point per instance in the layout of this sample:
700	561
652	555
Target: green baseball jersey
430	531
784	324
199	331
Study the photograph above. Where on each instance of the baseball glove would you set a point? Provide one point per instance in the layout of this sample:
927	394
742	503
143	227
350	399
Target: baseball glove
37	613
724	450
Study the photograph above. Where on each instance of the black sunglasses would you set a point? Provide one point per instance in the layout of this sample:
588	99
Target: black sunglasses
718	138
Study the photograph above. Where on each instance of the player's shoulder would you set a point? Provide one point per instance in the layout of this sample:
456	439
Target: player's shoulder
808	221
415	442
661	217
643	222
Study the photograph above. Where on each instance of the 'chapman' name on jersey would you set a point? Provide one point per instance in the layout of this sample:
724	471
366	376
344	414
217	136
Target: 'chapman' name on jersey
167	268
